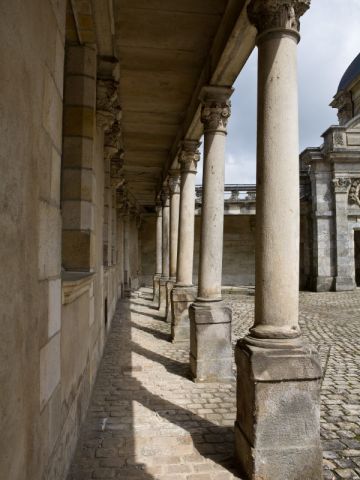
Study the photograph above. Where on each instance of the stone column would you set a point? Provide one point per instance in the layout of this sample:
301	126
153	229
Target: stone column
165	273
277	430
174	188
210	319
344	279
183	293
127	279
156	279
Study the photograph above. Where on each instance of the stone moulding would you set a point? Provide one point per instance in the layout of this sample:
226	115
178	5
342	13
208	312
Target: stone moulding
75	284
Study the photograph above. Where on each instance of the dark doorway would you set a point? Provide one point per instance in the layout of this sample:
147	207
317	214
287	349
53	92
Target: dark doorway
357	256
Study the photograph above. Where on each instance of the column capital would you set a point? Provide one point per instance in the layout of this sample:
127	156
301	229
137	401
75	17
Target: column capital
341	184
174	182
107	104
158	208
117	178
165	196
269	15
216	107
189	155
113	140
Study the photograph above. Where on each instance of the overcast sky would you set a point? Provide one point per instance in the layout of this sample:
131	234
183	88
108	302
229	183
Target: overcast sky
330	33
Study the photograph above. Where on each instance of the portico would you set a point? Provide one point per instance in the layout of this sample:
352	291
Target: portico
116	147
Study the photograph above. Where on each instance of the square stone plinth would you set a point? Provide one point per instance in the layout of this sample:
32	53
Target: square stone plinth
181	299
344	284
162	293
277	428
169	286
210	342
156	287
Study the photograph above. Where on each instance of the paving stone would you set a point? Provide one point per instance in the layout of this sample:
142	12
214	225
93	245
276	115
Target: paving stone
147	419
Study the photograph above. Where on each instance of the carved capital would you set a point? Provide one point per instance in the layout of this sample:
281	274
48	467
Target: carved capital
116	170
216	108
344	104
158	208
277	14
107	105
165	197
174	182
189	156
341	184
354	192
112	140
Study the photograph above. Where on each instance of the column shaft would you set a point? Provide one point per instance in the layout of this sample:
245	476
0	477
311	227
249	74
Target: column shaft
158	271
165	248
210	319
281	373
183	293
277	194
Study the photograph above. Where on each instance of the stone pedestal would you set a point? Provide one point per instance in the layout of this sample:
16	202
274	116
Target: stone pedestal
162	293
344	284
210	342
278	413
156	288
181	299
169	286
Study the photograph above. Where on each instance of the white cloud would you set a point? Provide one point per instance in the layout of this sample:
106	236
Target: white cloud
330	41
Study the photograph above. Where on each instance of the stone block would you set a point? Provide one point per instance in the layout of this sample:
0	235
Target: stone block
278	397
52	111
49	369
55	176
80	90
78	152
79	121
49	240
210	342
77	215
81	60
54	311
77	250
322	283
181	299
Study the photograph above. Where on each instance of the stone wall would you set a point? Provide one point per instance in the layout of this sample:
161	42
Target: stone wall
31	84
238	254
54	322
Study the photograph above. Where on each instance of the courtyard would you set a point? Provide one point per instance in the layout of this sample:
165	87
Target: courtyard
148	420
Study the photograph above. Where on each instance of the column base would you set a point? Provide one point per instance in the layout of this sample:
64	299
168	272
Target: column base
322	284
344	284
181	299
162	293
169	286
210	342
156	288
277	430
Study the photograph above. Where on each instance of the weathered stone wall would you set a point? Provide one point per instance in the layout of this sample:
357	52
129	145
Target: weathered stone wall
31	85
238	254
53	322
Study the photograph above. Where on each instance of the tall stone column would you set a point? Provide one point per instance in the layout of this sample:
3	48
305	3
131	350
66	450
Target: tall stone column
126	255
183	293
156	279
174	188
210	319
277	430
344	265
165	273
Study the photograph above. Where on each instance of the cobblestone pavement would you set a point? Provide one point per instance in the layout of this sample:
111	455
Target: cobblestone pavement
147	420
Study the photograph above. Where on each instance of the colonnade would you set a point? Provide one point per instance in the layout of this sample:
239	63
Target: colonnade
278	374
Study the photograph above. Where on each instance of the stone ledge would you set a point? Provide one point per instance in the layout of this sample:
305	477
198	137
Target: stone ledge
75	284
